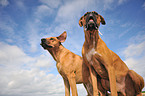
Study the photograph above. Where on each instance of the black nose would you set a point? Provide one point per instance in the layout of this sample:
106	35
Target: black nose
43	40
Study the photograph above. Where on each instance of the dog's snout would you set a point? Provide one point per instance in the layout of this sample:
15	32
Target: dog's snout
91	15
43	40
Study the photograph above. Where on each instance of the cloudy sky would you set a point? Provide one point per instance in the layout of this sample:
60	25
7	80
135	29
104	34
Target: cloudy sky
26	69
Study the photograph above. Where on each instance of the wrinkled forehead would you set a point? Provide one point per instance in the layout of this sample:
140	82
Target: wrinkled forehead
93	12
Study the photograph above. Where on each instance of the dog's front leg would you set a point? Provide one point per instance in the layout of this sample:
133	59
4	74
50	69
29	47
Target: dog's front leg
72	82
112	79
94	81
67	87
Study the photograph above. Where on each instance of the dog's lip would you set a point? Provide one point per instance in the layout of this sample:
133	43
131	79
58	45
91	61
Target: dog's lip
91	25
45	46
91	21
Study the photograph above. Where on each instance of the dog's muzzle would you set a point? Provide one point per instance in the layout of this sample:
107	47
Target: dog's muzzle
44	44
91	22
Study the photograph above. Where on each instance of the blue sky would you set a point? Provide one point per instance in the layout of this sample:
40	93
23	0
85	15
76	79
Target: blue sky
27	69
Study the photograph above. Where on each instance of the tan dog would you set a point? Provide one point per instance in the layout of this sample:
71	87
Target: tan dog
69	65
104	63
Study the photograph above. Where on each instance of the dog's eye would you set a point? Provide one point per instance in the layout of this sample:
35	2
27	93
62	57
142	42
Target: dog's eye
95	13
85	14
51	38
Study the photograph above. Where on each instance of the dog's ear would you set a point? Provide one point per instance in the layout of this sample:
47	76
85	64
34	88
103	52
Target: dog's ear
102	20
62	37
80	21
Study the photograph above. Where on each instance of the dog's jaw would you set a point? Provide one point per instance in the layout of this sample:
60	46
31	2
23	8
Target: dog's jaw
91	26
46	46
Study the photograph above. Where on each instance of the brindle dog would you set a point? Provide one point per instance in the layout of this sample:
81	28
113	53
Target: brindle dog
104	63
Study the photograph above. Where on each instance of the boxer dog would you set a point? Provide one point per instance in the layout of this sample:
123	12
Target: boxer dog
104	63
69	65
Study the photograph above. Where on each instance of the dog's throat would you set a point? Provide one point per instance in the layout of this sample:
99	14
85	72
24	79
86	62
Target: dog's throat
55	52
91	38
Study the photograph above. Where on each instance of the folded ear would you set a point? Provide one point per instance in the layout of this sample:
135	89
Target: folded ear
80	21
62	37
102	20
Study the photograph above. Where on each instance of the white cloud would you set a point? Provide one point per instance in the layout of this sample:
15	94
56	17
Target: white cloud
32	29
71	10
21	75
11	55
30	82
4	2
134	50
35	26
43	11
51	3
44	61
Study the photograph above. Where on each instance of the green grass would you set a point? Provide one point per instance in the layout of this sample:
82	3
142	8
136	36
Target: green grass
143	91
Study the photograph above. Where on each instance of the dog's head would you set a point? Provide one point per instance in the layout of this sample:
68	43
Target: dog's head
53	42
91	20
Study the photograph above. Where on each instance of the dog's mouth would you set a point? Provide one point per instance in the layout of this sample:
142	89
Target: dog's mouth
91	23
44	44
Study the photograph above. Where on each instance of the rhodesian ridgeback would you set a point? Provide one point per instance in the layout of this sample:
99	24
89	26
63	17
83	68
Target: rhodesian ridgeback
69	65
104	63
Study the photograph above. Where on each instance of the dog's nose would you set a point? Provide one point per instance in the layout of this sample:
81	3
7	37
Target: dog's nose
43	40
91	15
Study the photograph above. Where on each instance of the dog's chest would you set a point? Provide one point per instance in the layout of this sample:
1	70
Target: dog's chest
93	57
89	54
60	69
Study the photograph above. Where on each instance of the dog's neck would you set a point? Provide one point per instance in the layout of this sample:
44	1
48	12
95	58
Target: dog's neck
56	51
91	38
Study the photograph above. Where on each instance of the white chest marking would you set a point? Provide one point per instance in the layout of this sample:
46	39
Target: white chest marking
91	53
